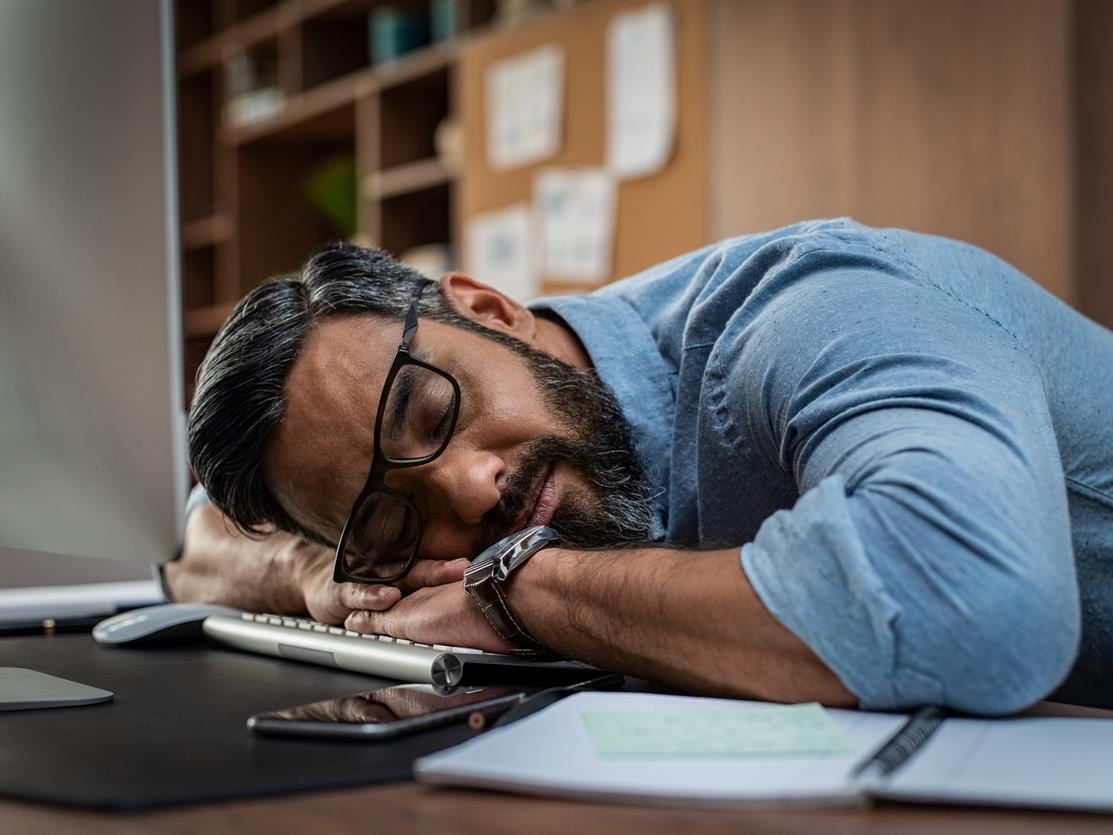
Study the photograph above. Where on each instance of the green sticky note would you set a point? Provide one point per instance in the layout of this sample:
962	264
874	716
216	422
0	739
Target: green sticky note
791	731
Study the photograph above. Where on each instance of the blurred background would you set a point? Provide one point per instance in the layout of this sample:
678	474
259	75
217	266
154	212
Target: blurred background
551	147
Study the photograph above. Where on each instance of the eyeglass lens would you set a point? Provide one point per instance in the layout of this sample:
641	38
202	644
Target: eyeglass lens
418	416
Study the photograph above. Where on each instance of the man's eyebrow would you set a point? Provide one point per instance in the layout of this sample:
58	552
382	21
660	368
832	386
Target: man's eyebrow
402	390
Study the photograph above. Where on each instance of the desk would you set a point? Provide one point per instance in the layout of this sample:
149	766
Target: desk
408	808
402	808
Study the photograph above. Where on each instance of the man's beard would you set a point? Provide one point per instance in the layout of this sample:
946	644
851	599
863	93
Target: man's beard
616	507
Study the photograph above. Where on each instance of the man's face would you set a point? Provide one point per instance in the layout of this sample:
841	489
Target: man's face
537	441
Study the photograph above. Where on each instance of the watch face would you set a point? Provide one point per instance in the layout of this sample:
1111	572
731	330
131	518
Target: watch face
513	550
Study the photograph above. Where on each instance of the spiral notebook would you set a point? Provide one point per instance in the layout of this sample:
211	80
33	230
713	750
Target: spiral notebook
1041	762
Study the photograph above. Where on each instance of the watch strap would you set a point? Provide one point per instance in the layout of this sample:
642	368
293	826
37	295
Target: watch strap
484	580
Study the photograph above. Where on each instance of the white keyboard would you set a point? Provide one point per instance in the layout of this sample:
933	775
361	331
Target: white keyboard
443	666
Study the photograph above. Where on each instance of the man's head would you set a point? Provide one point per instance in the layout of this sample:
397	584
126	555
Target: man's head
282	424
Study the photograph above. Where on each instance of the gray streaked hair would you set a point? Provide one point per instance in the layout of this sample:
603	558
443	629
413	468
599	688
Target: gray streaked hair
240	400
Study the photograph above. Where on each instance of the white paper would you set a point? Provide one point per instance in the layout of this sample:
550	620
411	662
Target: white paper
1035	762
551	753
500	251
641	91
576	218
525	103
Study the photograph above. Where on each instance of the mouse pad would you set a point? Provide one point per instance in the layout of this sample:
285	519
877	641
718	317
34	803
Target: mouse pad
176	733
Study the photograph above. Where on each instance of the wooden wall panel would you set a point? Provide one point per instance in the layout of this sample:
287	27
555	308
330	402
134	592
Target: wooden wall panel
1094	168
658	216
951	117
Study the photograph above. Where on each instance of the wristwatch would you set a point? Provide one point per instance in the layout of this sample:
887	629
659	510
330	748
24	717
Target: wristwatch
485	578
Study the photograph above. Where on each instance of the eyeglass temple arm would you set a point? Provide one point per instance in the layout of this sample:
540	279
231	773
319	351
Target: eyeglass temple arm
411	319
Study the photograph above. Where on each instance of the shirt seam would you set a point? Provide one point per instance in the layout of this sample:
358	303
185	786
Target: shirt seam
922	277
1090	490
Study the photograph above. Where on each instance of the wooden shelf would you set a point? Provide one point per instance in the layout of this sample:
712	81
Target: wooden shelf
324	112
315	105
208	231
206	321
408	178
262	26
414	65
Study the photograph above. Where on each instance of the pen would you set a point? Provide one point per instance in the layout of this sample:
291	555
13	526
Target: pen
544	698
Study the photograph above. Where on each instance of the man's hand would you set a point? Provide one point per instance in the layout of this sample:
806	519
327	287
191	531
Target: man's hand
331	602
443	614
281	573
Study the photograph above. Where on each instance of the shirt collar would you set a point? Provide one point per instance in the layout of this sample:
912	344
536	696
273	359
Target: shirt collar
629	363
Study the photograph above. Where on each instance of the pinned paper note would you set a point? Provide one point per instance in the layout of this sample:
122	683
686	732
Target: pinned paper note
525	101
641	91
576	218
499	250
791	731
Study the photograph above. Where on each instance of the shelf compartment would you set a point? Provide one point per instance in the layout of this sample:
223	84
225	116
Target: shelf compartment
323	114
404	179
206	321
206	232
416	218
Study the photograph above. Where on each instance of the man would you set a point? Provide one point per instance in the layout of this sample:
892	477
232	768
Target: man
830	462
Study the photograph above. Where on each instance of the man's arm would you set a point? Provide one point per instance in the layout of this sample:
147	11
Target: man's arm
280	573
685	618
927	561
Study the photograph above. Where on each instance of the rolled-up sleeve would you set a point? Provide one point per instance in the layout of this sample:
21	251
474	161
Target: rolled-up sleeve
928	559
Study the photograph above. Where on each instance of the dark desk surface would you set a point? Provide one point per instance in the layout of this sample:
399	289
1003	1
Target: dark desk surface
407	808
402	808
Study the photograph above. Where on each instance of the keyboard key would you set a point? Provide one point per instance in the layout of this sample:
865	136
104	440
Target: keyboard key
304	624
335	630
247	616
320	627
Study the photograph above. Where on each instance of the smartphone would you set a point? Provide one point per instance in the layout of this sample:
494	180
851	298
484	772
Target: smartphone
385	714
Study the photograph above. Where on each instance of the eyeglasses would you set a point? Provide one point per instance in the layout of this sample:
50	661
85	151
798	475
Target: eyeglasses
417	416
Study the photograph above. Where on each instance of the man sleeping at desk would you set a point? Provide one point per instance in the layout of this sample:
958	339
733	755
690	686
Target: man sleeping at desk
835	463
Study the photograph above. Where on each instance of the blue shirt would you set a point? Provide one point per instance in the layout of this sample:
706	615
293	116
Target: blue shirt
909	440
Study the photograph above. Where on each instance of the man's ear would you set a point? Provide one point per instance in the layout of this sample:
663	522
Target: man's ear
488	307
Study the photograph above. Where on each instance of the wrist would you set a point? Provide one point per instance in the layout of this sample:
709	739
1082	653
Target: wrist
298	565
489	576
534	594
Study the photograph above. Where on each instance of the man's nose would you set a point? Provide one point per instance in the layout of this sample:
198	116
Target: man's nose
467	480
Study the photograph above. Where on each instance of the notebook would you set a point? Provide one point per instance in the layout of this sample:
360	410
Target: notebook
1059	763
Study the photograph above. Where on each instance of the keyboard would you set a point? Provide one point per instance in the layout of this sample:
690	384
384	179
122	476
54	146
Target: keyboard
445	667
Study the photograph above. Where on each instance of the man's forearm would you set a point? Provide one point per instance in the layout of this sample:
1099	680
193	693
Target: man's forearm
686	618
221	565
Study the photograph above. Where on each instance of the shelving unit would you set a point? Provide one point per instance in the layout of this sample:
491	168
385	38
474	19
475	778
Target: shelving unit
244	210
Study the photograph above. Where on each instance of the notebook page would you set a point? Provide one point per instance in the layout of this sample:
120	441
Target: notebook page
1035	762
551	753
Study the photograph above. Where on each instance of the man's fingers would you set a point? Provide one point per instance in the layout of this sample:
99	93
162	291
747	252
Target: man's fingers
365	621
433	573
375	597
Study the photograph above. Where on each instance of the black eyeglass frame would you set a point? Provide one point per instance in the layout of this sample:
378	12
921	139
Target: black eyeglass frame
381	465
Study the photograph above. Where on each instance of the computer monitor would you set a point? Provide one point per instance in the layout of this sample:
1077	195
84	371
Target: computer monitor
92	450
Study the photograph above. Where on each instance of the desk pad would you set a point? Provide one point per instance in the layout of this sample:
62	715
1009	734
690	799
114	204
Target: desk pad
175	733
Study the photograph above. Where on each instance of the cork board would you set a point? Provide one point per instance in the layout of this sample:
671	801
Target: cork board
659	216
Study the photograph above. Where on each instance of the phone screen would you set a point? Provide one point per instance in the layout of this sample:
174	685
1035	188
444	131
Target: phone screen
389	712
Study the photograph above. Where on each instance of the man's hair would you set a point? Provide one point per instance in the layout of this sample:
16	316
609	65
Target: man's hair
240	399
